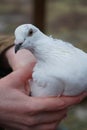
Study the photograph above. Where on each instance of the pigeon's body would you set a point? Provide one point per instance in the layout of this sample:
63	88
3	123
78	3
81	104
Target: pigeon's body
61	68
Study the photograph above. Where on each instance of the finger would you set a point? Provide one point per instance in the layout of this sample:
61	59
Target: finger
55	103
25	72
23	58
45	104
49	126
69	101
48	117
20	59
19	76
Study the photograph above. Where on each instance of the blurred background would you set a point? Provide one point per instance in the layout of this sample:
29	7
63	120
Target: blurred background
63	19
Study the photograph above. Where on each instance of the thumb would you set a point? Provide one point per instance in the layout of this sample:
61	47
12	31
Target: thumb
25	72
19	76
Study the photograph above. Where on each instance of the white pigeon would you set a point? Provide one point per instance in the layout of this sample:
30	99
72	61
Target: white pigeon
61	68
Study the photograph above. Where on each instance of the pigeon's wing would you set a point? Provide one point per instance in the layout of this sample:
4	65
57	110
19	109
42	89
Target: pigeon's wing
52	87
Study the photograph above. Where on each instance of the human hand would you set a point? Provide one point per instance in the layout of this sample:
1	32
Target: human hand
21	112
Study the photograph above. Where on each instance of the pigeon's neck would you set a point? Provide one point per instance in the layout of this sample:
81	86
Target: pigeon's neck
41	48
42	36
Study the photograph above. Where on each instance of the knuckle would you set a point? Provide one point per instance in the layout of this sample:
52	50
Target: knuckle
29	108
29	121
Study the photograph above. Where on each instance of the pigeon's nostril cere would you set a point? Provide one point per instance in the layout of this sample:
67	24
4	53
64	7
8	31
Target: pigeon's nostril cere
17	47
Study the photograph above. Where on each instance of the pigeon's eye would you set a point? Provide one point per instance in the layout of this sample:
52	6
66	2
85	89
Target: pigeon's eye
30	33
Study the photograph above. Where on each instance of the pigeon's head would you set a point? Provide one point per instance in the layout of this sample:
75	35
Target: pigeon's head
25	37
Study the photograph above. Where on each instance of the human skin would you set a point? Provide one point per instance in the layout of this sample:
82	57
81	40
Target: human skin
20	111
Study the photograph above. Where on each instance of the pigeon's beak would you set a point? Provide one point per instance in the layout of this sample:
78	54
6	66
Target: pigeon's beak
17	47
